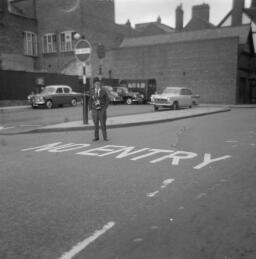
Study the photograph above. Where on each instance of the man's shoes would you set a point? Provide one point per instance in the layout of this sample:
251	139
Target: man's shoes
95	139
106	139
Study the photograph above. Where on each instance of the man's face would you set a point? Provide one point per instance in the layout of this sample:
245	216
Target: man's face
97	85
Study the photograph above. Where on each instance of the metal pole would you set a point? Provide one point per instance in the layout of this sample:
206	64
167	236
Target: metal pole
100	69
85	98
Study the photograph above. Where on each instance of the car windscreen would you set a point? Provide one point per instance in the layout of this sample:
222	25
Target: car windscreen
171	91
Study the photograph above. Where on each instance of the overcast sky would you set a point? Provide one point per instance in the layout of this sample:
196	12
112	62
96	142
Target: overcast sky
139	11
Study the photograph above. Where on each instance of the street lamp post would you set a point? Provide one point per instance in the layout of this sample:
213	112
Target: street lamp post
83	51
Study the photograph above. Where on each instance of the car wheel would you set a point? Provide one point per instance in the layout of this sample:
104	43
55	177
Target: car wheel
175	106
73	102
156	108
129	101
49	104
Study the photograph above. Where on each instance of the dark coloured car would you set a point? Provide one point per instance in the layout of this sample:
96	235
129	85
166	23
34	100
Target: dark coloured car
128	96
55	95
114	97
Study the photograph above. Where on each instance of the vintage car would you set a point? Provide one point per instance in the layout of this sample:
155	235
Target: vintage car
174	97
114	97
55	95
129	97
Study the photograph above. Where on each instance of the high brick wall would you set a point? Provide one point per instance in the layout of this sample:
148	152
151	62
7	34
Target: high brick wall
208	67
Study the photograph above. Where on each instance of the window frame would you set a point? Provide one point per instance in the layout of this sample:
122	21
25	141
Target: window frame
30	47
64	44
49	43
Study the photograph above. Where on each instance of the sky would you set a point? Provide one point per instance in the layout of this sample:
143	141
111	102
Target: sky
140	11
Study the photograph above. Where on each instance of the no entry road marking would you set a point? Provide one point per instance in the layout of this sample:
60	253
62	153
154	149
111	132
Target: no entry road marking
82	245
121	152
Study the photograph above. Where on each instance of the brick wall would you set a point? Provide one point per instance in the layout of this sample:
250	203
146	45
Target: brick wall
208	67
54	17
11	42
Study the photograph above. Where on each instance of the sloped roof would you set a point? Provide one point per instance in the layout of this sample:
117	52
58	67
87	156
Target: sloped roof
197	23
241	32
142	26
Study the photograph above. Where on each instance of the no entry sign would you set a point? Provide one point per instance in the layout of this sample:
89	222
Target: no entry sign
83	50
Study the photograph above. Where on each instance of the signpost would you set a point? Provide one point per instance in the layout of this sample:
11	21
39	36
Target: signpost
83	51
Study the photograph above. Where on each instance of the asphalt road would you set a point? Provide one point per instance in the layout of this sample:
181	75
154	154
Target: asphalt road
186	190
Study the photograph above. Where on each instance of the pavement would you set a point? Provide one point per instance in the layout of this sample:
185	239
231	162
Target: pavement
136	119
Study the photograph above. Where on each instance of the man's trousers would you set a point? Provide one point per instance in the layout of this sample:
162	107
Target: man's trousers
99	116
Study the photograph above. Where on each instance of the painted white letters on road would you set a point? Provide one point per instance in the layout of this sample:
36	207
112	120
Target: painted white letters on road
120	152
208	160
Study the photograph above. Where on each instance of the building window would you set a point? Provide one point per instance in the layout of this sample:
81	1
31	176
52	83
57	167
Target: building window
50	43
67	41
30	44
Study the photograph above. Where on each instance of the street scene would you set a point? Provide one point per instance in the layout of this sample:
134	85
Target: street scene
127	129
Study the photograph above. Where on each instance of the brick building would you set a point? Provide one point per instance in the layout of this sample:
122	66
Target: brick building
47	28
18	36
217	62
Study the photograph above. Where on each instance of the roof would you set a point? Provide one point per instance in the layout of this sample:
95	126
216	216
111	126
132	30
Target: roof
198	23
241	32
142	26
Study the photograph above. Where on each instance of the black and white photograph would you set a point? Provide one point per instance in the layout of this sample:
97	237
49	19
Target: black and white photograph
127	129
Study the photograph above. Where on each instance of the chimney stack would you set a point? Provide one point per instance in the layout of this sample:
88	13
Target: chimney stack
237	12
201	11
179	18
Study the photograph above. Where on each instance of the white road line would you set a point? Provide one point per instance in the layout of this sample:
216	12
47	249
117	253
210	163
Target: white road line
231	141
82	245
4	128
201	195
166	183
152	194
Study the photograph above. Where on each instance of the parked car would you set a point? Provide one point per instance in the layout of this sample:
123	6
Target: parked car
55	95
173	97
146	87
114	97
129	97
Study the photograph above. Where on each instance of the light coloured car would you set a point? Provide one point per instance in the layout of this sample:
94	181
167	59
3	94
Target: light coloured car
173	97
55	95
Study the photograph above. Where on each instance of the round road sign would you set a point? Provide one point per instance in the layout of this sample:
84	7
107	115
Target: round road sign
83	50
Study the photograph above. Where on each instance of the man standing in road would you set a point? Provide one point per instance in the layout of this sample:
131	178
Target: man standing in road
98	104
